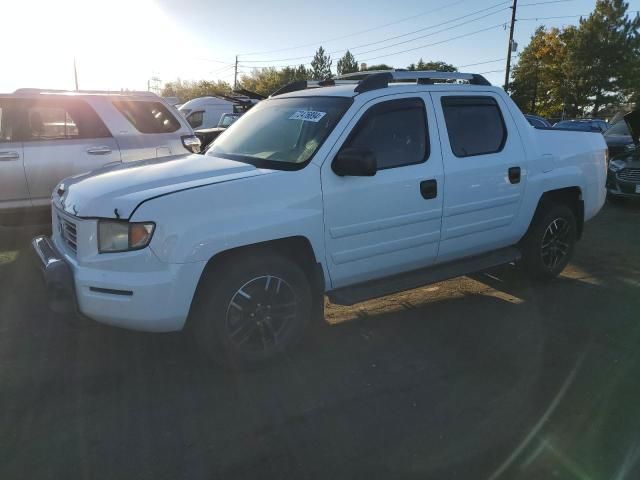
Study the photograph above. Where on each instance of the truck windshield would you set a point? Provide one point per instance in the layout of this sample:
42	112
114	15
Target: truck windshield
281	133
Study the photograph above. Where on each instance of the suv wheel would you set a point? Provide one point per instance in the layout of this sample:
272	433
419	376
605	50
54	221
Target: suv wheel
549	243
252	309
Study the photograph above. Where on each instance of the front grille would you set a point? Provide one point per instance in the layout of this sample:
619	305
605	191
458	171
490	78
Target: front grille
69	233
629	175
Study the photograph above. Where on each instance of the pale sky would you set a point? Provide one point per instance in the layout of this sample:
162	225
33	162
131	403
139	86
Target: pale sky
124	43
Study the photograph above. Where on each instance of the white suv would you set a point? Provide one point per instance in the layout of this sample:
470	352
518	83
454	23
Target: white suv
46	136
356	188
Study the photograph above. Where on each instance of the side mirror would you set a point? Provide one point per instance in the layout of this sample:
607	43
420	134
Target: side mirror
355	162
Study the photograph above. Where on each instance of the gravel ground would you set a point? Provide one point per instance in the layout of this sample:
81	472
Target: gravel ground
481	377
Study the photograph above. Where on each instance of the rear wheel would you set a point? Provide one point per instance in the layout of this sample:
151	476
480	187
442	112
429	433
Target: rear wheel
252	309
550	242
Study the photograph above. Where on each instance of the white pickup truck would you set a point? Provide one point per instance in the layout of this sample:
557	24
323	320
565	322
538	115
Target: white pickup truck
356	188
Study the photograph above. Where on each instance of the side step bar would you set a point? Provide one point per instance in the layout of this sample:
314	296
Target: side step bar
425	276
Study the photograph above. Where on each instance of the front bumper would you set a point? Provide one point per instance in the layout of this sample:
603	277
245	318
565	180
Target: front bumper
621	188
57	275
132	290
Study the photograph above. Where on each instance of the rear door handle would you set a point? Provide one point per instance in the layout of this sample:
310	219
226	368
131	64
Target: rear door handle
429	189
9	155
99	150
514	174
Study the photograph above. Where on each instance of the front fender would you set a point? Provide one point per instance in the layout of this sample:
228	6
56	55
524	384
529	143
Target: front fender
195	225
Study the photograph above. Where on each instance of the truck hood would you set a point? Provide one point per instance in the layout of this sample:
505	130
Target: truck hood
633	122
116	191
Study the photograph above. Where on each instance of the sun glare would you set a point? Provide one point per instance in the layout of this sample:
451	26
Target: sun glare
116	44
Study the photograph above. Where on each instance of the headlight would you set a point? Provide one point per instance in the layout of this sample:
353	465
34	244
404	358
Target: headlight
616	165
123	236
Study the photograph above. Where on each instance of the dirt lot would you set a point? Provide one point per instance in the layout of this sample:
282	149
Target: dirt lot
485	378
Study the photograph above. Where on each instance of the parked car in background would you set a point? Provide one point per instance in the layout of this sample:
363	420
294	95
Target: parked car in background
208	135
206	112
537	121
623	178
618	138
356	189
584	125
46	136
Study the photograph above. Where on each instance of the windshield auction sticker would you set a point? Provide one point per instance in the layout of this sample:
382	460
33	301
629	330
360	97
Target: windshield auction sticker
307	115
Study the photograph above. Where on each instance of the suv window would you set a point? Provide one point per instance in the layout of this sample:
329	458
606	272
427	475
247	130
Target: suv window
7	121
395	131
59	120
474	124
148	117
195	119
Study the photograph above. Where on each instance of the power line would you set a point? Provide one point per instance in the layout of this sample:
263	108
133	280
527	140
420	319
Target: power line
544	3
449	5
435	43
398	36
562	16
430	34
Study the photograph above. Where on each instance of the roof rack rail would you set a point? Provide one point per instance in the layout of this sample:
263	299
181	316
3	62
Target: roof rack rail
376	79
109	92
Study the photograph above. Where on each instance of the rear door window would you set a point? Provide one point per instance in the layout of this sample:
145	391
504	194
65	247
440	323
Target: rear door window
474	124
148	117
57	119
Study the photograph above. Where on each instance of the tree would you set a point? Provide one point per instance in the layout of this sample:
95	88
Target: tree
437	66
539	79
186	90
380	66
347	64
321	65
267	80
607	48
580	70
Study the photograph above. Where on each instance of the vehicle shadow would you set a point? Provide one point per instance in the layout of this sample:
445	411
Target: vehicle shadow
426	386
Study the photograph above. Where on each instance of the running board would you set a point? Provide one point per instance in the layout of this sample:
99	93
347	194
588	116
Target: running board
425	276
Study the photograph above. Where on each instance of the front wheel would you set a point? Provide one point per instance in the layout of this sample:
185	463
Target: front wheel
550	242
252	309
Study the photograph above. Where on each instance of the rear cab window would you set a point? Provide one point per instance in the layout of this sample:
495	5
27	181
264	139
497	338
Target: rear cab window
148	117
474	124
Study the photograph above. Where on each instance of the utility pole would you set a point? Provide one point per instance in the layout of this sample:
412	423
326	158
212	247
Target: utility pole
75	73
513	22
235	74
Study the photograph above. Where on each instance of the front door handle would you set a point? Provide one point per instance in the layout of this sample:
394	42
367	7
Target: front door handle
9	155
429	189
514	174
99	150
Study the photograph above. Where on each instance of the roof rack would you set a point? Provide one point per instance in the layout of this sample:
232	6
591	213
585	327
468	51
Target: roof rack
91	92
376	79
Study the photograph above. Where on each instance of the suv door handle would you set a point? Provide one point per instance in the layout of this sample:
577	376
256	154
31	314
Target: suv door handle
514	174
9	155
98	150
429	189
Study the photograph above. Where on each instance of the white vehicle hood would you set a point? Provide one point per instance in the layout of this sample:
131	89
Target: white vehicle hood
116	191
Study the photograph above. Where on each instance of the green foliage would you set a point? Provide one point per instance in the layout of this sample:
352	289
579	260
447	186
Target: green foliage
267	80
583	69
438	66
321	65
186	90
380	66
347	64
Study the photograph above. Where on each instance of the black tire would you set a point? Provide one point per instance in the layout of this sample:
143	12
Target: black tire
251	309
549	244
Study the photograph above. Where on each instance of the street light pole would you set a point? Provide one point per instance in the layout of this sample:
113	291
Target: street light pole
513	22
